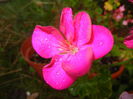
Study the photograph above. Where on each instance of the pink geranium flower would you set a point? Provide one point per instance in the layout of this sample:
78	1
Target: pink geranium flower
72	49
128	41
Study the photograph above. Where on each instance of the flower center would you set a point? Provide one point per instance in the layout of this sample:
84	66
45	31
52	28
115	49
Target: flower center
73	49
67	47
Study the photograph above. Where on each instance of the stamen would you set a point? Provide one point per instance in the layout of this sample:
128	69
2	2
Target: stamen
67	47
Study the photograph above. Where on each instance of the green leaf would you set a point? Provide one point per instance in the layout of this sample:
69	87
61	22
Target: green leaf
99	11
99	87
31	69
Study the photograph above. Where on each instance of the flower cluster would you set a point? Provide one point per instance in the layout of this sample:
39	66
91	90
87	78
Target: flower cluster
72	48
118	13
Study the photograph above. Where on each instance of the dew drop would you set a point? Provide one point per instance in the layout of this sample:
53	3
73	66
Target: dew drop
57	83
101	43
46	39
41	40
60	85
60	49
57	73
47	82
60	59
48	46
63	80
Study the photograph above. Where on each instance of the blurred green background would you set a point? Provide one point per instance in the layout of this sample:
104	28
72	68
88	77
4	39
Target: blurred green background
17	21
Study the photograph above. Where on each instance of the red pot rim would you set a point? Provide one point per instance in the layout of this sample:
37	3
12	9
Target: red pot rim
28	56
113	75
118	73
26	50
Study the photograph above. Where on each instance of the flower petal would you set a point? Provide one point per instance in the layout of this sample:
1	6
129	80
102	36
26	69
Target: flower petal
45	41
66	24
102	41
79	64
128	41
56	77
82	24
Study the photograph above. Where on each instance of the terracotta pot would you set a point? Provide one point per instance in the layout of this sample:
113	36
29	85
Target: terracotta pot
113	75
27	52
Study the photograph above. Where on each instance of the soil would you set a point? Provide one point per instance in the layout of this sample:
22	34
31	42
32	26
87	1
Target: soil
36	58
107	60
114	69
16	93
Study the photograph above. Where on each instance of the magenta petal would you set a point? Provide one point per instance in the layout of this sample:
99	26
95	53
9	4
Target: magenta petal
80	63
56	77
102	41
66	23
128	41
45	41
82	24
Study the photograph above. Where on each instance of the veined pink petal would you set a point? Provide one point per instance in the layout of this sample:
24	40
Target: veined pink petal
80	63
66	24
102	41
56	77
45	41
128	41
82	24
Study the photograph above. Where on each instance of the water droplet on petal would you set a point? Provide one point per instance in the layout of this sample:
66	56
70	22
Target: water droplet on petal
57	83
48	46
100	43
46	39
57	73
60	49
47	82
41	40
60	59
63	80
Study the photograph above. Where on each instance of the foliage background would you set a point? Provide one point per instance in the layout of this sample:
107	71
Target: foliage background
17	21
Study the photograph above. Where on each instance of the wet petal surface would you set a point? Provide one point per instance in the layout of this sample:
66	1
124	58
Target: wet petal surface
46	40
